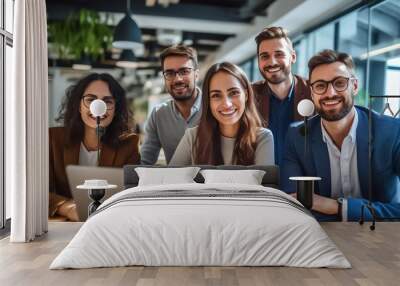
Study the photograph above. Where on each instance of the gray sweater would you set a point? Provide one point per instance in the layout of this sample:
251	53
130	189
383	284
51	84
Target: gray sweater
165	128
264	151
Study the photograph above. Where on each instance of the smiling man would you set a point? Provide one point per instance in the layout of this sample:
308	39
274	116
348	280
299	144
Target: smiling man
338	147
279	93
168	121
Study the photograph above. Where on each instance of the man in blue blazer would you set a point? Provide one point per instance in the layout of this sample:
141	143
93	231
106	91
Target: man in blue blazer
337	147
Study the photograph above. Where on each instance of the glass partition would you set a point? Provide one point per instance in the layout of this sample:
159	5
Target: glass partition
376	28
247	68
352	31
384	55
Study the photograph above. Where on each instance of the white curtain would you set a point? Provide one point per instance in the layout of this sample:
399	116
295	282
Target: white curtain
27	123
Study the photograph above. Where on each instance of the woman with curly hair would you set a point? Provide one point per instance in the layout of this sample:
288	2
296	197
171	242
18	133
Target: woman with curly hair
76	142
229	132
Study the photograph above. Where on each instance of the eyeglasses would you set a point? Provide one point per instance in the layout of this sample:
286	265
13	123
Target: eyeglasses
339	84
182	72
109	101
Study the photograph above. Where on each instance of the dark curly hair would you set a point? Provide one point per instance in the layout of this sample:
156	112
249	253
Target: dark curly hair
69	111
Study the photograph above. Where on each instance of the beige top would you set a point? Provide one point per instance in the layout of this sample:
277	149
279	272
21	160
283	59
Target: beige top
264	154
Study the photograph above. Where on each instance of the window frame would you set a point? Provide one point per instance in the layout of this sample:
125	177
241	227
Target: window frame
2	90
6	39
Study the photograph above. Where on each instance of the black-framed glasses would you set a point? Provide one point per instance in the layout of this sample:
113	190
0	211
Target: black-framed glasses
182	72
109	100
339	84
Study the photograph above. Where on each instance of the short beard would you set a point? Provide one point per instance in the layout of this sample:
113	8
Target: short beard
274	80
182	97
347	106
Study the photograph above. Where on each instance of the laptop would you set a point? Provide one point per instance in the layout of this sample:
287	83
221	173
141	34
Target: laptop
78	174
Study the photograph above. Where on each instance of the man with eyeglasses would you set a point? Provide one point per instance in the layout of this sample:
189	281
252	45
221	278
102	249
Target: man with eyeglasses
337	147
168	121
278	95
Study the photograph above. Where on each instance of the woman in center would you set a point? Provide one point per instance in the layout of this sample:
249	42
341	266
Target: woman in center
229	131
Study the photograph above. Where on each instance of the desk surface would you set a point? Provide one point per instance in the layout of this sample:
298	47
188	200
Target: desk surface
374	255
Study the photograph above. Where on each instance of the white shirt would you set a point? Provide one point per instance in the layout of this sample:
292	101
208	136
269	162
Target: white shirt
343	163
87	158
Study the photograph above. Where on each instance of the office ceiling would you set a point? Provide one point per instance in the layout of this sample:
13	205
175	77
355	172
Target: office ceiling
204	24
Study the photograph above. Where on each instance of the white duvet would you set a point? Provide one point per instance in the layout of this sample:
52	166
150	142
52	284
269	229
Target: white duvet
207	230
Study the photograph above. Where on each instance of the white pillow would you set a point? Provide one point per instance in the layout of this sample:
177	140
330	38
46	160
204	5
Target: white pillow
166	176
248	177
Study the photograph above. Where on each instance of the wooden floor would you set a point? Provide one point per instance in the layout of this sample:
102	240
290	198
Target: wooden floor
375	257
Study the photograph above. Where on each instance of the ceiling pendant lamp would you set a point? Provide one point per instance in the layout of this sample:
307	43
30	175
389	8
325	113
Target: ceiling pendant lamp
127	34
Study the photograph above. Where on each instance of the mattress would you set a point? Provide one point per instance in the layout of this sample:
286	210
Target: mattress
201	225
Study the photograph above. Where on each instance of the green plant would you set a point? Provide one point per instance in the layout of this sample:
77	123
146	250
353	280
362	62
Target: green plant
82	33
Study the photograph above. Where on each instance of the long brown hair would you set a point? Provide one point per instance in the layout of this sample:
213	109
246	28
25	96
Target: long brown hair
207	147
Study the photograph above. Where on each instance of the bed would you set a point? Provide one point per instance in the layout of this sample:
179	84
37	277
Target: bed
201	224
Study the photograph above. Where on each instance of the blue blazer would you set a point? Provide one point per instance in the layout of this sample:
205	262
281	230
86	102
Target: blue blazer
385	163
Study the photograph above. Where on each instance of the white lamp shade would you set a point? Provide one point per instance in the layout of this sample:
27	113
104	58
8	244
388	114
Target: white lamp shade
305	107
98	107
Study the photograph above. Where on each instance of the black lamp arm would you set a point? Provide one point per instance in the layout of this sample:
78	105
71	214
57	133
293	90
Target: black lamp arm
98	138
